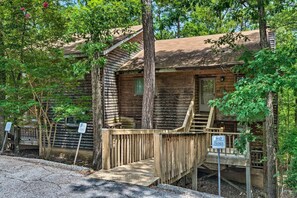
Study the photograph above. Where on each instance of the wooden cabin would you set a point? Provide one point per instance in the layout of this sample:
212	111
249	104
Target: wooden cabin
189	71
188	74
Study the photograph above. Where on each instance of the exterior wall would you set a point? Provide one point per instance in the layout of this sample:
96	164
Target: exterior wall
173	95
67	136
116	58
174	91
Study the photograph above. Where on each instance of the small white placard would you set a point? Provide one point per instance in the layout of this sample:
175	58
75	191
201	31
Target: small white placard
218	141
82	127
8	127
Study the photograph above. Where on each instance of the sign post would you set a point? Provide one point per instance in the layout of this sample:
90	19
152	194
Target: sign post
219	142
7	130
81	129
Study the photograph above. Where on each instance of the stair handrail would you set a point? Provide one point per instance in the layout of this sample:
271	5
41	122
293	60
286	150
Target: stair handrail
188	118
211	117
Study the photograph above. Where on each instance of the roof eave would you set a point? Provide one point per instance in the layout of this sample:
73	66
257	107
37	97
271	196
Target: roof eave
105	52
163	70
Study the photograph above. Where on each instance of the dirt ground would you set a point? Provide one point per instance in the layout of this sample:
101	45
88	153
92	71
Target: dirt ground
210	185
33	153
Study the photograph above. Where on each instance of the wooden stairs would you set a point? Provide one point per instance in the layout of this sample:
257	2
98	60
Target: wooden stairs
199	122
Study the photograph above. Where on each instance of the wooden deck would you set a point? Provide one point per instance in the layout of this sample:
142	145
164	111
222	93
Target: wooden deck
137	173
144	157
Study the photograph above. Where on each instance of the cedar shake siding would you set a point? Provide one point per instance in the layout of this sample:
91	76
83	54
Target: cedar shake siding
116	58
67	136
174	91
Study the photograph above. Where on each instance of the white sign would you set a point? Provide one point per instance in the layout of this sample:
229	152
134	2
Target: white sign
218	141
8	127
82	127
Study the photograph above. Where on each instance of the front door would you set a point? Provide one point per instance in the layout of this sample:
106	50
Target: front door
206	93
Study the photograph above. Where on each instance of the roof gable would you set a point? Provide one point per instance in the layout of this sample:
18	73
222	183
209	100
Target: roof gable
119	38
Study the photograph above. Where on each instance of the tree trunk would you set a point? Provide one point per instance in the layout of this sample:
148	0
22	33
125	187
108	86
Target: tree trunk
149	65
269	175
2	97
97	117
271	150
265	161
178	27
262	24
2	82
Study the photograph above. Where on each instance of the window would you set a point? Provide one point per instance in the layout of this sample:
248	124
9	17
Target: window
138	86
72	122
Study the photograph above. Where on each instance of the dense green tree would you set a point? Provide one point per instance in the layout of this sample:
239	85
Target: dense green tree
31	31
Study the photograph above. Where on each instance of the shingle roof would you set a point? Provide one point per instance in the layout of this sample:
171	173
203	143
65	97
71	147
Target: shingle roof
193	52
71	48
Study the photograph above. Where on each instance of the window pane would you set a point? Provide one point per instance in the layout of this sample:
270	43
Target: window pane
138	86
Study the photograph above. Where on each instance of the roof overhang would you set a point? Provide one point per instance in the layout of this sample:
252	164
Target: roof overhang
105	52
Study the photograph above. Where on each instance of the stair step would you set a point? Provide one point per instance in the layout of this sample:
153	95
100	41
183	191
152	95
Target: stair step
199	127
201	118
196	130
201	115
199	122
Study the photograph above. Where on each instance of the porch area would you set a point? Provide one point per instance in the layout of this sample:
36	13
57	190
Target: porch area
148	157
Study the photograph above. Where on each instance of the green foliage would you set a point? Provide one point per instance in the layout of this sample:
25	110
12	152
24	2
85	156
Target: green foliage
130	47
241	141
268	71
185	18
100	22
36	79
80	112
291	180
28	36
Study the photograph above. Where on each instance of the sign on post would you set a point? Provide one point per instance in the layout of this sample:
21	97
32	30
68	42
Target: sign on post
219	142
8	127
81	129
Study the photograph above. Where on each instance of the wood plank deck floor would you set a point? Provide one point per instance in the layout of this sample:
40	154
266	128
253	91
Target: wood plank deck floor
139	173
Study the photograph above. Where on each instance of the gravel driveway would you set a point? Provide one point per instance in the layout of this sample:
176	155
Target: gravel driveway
25	178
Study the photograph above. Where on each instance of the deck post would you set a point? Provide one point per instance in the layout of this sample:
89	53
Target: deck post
248	171
106	138
195	177
158	154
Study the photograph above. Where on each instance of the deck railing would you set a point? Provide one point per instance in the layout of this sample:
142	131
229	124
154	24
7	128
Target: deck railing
28	135
211	117
177	153
257	158
188	119
125	146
